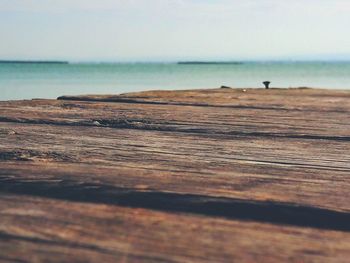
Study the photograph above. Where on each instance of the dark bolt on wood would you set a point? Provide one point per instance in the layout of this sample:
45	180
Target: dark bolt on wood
266	83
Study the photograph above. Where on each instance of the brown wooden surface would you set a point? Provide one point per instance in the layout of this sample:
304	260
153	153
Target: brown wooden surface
186	176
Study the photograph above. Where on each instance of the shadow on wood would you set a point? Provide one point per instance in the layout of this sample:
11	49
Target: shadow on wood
229	208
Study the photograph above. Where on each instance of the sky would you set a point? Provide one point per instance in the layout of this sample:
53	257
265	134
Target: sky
166	30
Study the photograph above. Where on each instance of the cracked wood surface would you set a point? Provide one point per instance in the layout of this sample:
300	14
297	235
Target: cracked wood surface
177	176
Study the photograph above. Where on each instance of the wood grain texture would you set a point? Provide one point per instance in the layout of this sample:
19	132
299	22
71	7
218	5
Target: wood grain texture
177	176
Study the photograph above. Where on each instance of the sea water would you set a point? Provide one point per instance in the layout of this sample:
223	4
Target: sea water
39	80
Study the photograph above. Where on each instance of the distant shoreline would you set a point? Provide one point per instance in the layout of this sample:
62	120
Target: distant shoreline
32	62
209	63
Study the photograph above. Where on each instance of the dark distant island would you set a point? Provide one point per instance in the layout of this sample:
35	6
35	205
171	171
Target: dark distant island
209	63
32	62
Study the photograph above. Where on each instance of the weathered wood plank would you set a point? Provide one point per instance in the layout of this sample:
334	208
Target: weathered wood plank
59	231
249	168
291	99
185	176
207	120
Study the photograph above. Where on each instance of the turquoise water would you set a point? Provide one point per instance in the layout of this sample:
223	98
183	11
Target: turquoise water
26	81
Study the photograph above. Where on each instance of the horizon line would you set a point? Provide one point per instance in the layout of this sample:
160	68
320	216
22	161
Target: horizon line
173	61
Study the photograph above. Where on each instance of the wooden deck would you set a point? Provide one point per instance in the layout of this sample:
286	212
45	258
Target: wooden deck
224	175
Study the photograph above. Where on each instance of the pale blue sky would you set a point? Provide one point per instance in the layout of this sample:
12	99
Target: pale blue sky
142	30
